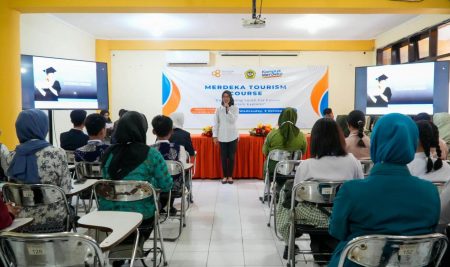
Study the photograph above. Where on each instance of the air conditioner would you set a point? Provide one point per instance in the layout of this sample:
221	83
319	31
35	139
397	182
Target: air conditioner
187	57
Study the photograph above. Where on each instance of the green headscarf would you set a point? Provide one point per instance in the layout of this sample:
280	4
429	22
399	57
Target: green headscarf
442	121
286	123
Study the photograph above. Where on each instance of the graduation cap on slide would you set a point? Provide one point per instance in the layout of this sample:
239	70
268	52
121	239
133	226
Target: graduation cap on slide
49	70
381	78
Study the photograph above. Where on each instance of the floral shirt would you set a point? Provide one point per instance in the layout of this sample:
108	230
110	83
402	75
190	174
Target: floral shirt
53	169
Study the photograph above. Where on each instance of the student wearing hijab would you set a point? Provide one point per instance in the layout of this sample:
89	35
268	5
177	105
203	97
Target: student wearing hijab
357	142
180	136
287	137
382	203
226	134
35	161
131	159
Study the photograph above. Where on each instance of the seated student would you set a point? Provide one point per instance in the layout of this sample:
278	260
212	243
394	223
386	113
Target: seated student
180	136
330	161
424	165
121	113
93	151
35	161
287	137
75	138
7	214
440	142
442	121
383	203
162	128
132	159
328	113
3	155
357	142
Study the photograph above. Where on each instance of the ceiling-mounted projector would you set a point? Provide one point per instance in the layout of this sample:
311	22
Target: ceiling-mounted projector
256	21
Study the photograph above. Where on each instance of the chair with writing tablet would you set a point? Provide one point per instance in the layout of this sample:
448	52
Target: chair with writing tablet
56	249
274	155
321	193
287	168
131	191
39	199
87	170
393	251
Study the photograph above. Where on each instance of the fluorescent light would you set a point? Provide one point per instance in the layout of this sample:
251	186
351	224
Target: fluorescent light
313	23
23	70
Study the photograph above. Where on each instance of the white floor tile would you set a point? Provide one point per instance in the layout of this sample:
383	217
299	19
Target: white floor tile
225	259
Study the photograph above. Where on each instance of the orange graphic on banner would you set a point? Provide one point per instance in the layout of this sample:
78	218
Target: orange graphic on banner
319	89
173	102
203	110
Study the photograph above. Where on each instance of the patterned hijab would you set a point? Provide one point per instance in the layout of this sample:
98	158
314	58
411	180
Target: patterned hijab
394	139
131	149
286	123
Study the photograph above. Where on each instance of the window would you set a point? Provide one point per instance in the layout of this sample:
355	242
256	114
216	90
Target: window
387	56
424	47
443	46
404	54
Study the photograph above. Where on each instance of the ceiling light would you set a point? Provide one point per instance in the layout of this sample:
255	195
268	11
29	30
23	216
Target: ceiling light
313	23
158	24
23	70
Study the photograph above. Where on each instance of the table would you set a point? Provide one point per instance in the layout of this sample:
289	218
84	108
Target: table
249	159
120	223
17	223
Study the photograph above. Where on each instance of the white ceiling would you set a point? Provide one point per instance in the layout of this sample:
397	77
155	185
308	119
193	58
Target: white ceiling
229	26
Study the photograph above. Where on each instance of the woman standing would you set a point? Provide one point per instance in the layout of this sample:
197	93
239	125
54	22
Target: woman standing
226	133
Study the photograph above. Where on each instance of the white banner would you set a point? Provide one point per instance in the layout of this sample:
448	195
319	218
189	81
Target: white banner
259	93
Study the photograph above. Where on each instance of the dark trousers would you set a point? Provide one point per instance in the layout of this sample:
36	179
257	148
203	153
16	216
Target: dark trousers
227	152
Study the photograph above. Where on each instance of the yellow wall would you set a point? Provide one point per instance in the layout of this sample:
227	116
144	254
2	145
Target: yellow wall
10	94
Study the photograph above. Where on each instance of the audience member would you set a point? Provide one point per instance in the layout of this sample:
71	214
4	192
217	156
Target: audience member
105	114
75	137
3	155
7	214
329	161
328	113
382	203
35	161
162	128
424	165
93	151
132	159
357	142
441	143
287	137
121	113
180	136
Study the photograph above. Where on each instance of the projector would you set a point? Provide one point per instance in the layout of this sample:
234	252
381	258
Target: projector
254	23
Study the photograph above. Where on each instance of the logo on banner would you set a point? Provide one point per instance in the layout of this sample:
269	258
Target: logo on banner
271	73
217	73
171	96
250	74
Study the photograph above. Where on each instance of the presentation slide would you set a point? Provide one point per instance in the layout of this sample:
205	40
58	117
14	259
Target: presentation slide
406	89
52	83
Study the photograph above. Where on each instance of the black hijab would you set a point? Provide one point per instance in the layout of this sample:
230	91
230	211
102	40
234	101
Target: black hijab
131	149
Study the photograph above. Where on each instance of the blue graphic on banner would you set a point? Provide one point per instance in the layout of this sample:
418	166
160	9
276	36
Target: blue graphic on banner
260	110
324	103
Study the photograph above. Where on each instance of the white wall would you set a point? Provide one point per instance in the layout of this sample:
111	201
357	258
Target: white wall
136	76
46	35
412	26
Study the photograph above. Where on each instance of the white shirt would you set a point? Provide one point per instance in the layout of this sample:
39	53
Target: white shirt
224	127
182	157
330	168
418	167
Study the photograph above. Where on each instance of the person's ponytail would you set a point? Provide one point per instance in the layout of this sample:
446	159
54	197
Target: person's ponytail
361	134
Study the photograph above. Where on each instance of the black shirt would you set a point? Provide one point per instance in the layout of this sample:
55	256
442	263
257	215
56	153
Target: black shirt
49	96
182	138
73	139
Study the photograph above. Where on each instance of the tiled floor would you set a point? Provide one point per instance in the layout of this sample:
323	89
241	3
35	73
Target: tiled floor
227	226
